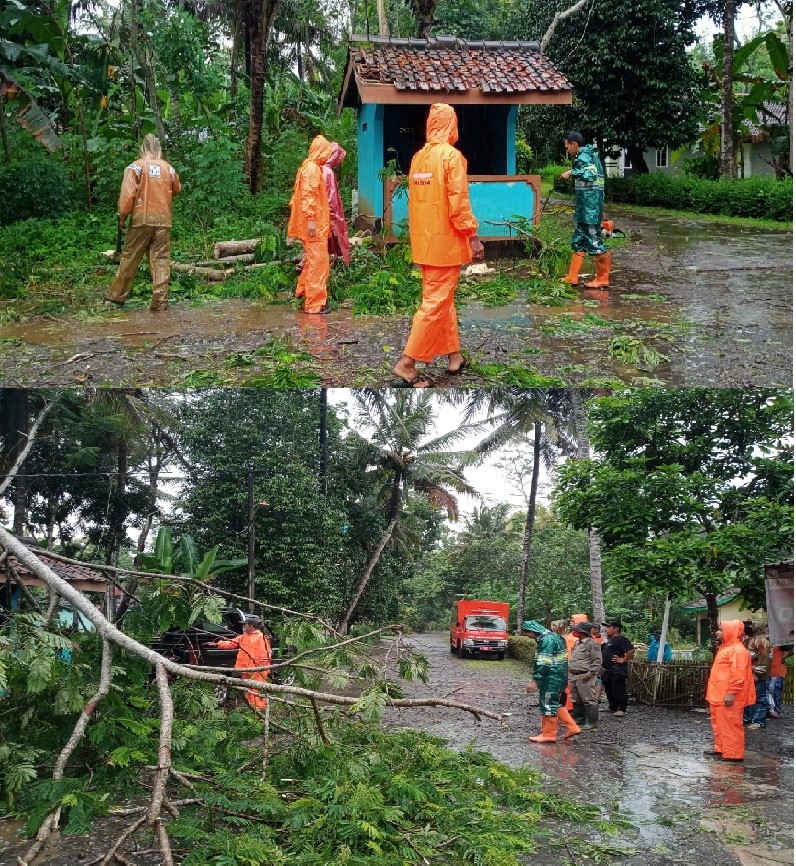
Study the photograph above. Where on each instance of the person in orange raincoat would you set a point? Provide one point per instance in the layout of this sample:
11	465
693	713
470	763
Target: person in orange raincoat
254	650
731	687
442	233
339	246
309	222
148	187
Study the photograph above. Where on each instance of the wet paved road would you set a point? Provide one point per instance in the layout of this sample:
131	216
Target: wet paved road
649	765
714	302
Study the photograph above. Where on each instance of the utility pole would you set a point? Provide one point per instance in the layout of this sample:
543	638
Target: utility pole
250	592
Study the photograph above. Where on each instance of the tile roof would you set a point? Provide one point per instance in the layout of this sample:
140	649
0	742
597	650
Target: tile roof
447	65
70	572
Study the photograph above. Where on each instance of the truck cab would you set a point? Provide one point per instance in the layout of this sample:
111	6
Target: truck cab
479	627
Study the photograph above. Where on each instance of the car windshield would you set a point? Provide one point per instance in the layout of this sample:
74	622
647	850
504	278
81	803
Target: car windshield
485	622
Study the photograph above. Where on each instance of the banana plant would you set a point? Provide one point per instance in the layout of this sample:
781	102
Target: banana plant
184	559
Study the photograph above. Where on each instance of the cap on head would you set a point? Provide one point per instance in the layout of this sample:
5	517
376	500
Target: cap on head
656	634
583	628
253	620
613	623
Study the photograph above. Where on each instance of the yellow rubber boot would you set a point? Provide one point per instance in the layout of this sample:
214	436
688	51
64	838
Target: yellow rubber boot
549	731
601	278
568	722
575	264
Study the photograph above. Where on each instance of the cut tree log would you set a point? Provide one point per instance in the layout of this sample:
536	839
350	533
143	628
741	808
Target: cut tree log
234	248
212	274
243	258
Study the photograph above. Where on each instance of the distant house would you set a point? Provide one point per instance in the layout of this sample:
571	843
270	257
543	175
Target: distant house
392	82
731	606
84	578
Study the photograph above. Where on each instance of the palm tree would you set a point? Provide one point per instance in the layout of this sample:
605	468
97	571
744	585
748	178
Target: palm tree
541	413
407	462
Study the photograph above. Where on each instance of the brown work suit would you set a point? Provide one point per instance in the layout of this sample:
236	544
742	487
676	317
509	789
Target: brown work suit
146	194
584	665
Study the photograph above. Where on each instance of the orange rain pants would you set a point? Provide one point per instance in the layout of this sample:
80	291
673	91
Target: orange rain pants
731	673
314	275
434	328
254	650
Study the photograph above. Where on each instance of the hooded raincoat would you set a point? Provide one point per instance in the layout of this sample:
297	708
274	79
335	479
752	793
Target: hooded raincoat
441	223
571	639
338	227
254	650
731	674
550	667
587	170
148	187
310	203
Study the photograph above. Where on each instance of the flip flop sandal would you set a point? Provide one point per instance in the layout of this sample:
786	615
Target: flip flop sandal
460	369
411	383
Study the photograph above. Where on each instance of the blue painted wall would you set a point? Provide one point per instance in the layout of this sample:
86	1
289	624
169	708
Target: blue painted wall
494	202
370	149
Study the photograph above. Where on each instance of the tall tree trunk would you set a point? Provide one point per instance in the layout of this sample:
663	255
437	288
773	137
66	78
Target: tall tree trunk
530	520
713	618
384	27
260	17
595	553
393	513
727	137
146	70
324	442
21	482
117	511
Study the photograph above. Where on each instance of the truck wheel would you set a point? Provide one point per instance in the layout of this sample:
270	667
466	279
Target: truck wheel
221	692
501	656
463	652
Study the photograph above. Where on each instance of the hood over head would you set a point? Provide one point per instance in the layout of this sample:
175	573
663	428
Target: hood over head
442	126
320	149
578	618
337	156
533	626
732	631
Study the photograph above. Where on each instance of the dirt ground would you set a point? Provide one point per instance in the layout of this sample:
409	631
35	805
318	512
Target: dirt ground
712	301
647	768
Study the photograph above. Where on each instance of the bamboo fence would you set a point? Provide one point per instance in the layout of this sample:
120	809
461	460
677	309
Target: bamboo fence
678	683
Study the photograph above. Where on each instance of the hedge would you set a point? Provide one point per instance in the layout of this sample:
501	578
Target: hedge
760	197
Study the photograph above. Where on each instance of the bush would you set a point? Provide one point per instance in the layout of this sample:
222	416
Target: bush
522	648
36	186
759	197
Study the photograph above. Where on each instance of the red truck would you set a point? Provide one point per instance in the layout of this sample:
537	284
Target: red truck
479	627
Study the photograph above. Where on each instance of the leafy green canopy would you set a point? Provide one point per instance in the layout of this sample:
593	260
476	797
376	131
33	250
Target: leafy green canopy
690	489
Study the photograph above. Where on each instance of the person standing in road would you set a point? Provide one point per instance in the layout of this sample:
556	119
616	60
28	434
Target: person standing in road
584	666
776	678
731	687
148	187
309	222
442	234
589	202
254	651
617	652
550	679
759	651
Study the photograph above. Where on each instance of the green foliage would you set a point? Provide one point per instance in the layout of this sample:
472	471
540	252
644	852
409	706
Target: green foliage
394	289
760	197
522	648
37	186
495	291
630	350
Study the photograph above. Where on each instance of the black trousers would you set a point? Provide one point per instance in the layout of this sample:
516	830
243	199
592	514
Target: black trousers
615	685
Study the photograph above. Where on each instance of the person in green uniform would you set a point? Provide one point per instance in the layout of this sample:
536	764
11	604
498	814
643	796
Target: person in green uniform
589	201
550	671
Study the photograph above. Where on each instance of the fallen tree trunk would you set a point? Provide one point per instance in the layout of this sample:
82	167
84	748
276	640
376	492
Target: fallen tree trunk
243	258
235	248
212	274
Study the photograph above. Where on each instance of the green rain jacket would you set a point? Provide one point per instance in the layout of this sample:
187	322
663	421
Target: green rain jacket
589	186
550	668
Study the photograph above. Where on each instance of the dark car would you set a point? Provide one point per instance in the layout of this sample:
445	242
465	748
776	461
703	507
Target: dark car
189	646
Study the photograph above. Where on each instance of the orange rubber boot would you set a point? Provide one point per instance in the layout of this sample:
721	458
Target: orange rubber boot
568	722
549	731
575	265
600	280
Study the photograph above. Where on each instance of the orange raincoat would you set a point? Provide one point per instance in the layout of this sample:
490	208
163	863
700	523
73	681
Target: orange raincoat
310	202
441	223
254	650
731	674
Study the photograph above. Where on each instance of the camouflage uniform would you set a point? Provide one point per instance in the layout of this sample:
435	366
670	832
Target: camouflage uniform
587	170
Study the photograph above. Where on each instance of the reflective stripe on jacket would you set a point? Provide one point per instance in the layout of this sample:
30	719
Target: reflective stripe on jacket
587	170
